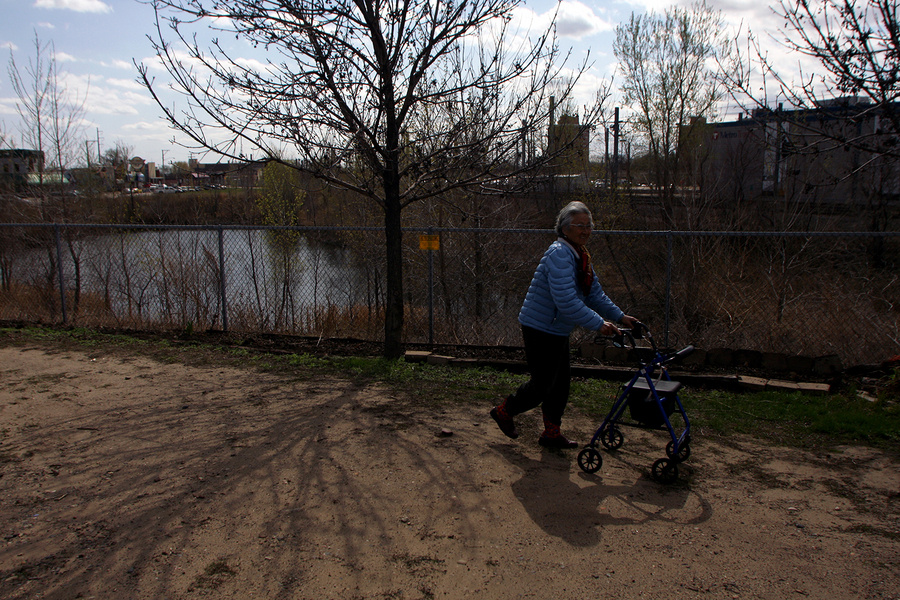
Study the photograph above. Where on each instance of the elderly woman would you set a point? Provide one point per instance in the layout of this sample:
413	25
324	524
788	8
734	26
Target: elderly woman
564	292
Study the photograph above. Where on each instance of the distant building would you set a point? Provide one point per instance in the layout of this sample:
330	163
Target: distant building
16	167
571	141
810	156
226	174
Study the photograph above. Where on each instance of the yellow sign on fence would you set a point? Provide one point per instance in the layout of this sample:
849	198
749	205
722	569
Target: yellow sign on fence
429	242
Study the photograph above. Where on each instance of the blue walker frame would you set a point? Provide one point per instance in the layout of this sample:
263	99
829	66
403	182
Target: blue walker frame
656	391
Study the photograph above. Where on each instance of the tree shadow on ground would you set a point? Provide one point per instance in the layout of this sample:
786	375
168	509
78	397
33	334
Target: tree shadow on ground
201	485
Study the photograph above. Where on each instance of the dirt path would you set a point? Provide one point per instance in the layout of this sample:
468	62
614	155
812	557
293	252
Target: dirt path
129	478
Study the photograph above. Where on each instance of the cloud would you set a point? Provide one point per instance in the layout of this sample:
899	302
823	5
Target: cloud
128	84
573	20
46	25
85	6
8	106
734	12
100	103
253	64
8	46
109	96
577	20
117	97
147	126
63	57
155	64
117	64
659	6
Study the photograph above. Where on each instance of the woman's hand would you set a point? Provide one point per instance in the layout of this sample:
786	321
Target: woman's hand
609	329
628	321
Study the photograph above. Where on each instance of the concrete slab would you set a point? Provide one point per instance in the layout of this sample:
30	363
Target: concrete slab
416	356
783	386
818	389
755	384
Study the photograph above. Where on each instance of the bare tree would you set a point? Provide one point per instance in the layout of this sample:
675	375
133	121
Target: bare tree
857	46
846	112
32	86
666	78
396	100
117	160
51	123
64	121
51	117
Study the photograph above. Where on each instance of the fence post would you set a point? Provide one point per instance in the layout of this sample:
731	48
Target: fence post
430	293
59	273
668	285
222	278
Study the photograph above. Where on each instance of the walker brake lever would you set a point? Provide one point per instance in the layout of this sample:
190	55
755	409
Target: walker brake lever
620	338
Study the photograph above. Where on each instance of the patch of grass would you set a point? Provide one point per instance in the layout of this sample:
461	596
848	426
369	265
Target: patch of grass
594	397
417	563
219	567
214	575
237	352
891	389
802	419
790	418
303	360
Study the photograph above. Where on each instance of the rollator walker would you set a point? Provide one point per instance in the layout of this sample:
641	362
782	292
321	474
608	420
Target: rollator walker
651	398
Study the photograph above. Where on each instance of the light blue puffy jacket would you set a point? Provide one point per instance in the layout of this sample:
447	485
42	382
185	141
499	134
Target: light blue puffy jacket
555	303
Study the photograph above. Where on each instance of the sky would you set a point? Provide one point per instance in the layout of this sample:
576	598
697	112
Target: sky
98	42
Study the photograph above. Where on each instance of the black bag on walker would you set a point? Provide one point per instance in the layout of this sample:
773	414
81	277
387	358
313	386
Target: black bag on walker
644	408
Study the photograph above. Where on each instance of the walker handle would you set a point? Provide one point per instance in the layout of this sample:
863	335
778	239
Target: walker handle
638	329
680	354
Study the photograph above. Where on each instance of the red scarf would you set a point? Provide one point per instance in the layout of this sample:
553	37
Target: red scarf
584	274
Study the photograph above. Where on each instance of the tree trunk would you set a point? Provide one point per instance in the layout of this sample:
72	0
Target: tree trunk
393	316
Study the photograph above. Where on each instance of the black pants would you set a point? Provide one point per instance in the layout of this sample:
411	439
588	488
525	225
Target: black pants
548	362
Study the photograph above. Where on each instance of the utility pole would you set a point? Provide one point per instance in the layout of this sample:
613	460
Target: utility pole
615	169
606	155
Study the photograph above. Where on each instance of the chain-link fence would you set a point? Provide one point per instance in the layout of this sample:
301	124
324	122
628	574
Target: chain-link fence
809	294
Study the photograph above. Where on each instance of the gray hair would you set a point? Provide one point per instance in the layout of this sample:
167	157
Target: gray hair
564	218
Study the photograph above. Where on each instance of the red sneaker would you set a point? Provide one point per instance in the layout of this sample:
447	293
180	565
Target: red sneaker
507	426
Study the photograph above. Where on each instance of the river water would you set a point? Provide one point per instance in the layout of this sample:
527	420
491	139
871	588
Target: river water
273	279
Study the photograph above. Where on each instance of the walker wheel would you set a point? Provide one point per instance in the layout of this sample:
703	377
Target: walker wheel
589	460
612	438
665	471
684	451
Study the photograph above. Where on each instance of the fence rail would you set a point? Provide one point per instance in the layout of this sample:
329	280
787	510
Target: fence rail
811	293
